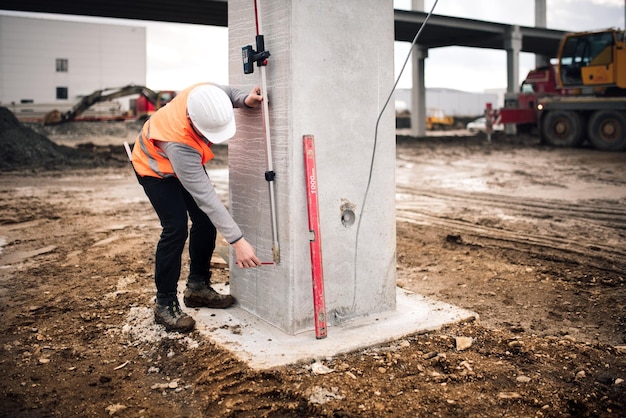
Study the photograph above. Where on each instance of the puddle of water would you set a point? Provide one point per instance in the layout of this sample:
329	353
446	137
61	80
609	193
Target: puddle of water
526	173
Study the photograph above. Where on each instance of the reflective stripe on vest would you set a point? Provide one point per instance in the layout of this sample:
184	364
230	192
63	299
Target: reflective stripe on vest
152	157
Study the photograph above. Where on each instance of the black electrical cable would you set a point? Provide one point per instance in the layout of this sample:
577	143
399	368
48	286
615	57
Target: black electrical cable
371	170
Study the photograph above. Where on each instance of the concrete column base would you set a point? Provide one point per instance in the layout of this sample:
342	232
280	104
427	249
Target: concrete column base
262	346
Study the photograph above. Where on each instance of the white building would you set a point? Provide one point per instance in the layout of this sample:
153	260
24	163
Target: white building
53	61
451	102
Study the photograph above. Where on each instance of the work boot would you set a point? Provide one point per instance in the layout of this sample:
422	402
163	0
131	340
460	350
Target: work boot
174	319
202	295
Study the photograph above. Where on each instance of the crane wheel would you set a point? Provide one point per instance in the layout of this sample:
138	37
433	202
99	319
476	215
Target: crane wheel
607	130
562	128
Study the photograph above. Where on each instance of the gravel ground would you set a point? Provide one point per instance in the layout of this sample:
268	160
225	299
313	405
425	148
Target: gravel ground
531	238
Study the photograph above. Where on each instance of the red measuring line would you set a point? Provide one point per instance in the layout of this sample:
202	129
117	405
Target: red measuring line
319	303
256	17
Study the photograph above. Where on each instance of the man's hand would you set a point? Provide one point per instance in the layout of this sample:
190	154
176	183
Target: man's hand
254	99
244	254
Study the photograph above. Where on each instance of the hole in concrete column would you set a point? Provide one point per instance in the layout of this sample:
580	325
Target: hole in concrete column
347	213
347	218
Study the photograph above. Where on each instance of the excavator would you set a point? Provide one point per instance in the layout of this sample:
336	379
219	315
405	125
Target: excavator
582	97
148	102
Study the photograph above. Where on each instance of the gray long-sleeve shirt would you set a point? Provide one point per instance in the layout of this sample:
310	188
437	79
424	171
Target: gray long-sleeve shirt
187	164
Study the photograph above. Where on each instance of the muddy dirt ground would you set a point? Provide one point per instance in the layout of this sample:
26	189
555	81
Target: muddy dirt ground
531	238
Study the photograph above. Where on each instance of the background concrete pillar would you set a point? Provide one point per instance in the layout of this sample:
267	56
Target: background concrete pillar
513	47
329	75
541	21
418	91
417	5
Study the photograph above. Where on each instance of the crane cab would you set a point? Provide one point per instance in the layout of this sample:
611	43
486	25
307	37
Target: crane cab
593	59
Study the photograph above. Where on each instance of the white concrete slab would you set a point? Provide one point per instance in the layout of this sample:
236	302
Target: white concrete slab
263	346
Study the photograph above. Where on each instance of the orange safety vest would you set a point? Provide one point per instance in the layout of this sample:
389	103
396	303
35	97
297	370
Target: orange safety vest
169	123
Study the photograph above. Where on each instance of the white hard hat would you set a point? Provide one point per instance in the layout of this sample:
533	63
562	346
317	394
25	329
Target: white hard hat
211	112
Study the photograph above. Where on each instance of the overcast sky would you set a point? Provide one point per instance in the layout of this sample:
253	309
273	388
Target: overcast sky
486	69
179	55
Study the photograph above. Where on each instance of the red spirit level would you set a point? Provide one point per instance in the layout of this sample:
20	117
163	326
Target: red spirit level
319	303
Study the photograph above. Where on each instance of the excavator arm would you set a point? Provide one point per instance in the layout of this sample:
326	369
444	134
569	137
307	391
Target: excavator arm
56	117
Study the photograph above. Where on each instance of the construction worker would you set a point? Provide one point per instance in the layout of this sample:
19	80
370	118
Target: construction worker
168	157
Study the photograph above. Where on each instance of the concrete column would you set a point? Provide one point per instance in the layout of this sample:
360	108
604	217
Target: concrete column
541	21
417	5
513	46
329	75
418	96
541	14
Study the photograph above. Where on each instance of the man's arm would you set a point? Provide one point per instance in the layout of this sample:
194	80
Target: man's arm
240	99
187	164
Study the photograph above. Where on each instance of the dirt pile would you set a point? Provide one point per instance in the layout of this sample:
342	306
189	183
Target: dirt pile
23	148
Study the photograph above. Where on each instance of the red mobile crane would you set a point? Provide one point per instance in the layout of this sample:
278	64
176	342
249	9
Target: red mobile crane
582	97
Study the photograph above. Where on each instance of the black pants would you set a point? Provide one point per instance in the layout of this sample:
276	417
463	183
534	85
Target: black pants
172	203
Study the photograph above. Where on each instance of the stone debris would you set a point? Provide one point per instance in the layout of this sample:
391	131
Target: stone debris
320	395
463	343
114	409
318	368
509	395
168	385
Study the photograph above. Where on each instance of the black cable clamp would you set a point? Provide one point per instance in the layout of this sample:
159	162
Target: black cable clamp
270	175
